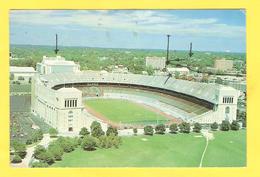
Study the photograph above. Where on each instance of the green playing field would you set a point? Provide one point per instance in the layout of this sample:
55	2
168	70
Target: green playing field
124	111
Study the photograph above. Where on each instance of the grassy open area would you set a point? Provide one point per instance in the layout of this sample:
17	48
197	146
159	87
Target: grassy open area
181	150
124	111
141	151
227	149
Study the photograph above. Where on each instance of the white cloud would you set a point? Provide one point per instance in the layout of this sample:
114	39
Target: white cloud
141	21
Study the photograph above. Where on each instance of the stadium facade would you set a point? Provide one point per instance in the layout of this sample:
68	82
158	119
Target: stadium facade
57	99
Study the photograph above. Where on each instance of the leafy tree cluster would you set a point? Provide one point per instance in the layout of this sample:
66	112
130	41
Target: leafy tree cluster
36	136
54	152
19	150
97	138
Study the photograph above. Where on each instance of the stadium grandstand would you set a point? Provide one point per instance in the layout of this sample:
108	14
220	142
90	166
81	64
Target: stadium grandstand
57	96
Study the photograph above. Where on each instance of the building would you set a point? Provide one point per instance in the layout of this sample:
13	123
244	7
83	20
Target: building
56	64
181	71
21	74
223	64
61	108
155	62
58	102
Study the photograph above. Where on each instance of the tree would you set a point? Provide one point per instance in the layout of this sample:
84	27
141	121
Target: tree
37	135
39	149
234	125
66	143
47	157
111	130
84	131
20	78
11	76
56	151
244	123
184	127
148	130
160	129
16	159
39	165
197	127
96	129
225	125
173	128
109	141
29	141
150	70
19	148
214	126
53	132
135	131
89	143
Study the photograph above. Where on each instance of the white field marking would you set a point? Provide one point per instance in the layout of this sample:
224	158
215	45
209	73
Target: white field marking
198	136
144	139
208	136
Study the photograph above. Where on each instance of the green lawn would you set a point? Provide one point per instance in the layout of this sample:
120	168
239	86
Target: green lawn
141	151
124	111
181	150
227	149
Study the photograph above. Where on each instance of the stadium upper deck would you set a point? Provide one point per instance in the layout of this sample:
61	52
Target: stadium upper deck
204	91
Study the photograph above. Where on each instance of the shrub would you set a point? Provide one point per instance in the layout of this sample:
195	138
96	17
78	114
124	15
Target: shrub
47	157
111	130
148	130
197	127
84	131
135	131
160	129
56	151
53	132
39	149
109	141
20	78
244	123
173	128
184	127
37	135
29	141
89	143
39	165
19	148
214	126
225	125
67	144
96	129
234	125
16	159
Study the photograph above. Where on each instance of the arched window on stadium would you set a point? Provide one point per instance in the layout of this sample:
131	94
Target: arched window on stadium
227	110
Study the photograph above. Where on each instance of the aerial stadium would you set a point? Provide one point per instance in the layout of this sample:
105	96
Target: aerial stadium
69	99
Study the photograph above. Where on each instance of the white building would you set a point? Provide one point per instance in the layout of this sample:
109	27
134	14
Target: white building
56	64
155	62
62	108
22	74
223	64
181	71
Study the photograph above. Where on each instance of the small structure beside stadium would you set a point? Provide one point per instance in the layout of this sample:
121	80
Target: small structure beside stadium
57	97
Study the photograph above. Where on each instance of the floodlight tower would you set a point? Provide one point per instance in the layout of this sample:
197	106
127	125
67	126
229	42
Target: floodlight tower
56	49
191	53
168	46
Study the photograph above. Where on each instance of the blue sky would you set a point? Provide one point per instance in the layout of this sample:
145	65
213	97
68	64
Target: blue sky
209	30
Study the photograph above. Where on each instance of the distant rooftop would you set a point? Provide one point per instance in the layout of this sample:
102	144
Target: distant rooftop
15	69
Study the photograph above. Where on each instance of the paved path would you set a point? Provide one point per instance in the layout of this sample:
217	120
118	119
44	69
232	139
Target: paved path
208	136
25	162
